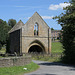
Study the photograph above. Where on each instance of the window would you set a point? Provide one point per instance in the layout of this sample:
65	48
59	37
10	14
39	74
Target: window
36	29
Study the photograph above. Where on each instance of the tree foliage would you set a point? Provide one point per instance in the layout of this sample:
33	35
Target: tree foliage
67	21
11	22
52	29
4	28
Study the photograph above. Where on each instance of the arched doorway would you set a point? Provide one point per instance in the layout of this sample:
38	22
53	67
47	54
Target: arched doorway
36	49
36	46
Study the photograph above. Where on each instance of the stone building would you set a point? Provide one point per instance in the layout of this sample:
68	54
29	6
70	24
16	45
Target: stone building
55	34
33	36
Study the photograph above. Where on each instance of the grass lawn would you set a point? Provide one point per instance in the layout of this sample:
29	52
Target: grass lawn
18	70
56	47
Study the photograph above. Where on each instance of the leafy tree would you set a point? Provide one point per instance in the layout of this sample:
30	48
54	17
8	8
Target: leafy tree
11	22
67	21
4	28
52	29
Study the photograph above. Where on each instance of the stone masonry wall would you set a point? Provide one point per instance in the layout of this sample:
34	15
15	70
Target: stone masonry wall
44	33
27	40
14	61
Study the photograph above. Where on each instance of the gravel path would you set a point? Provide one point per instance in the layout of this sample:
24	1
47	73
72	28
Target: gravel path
47	68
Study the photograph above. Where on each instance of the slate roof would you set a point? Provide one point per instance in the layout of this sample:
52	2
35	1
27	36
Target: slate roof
17	26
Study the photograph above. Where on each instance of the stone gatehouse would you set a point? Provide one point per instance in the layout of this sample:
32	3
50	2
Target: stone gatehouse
33	36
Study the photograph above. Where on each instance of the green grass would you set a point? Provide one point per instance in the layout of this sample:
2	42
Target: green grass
47	58
56	47
18	70
3	50
1	57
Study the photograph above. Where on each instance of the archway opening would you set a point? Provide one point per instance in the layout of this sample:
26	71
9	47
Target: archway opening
35	49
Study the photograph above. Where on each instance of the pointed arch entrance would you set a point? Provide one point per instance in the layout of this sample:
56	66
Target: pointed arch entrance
36	46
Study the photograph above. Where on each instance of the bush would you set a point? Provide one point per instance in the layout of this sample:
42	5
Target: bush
0	46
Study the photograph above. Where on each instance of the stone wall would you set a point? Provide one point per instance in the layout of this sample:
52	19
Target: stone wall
26	41
15	61
28	28
44	33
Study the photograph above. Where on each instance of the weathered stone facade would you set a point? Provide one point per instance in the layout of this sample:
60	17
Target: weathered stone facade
15	61
24	40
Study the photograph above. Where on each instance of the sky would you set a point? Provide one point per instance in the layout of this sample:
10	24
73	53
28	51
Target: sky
23	9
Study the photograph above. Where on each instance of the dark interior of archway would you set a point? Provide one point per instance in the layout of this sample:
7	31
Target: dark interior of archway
35	48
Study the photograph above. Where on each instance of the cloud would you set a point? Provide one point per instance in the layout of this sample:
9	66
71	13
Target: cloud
59	6
47	17
28	18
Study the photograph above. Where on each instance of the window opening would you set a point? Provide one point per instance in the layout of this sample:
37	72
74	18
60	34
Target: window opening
36	29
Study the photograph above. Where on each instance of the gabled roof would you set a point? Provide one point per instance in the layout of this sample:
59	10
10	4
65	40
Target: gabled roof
20	23
40	18
17	26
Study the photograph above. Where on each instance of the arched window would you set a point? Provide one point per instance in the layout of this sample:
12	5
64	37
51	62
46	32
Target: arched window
36	29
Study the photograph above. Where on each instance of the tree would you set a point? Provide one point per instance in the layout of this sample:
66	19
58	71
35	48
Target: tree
52	29
67	21
4	28
11	22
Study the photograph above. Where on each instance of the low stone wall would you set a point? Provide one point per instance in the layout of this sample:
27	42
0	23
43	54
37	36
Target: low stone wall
15	61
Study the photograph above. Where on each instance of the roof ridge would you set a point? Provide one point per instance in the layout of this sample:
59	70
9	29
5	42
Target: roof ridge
39	16
15	27
42	19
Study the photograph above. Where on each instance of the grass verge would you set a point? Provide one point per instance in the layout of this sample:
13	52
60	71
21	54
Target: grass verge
1	57
47	58
18	70
56	47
